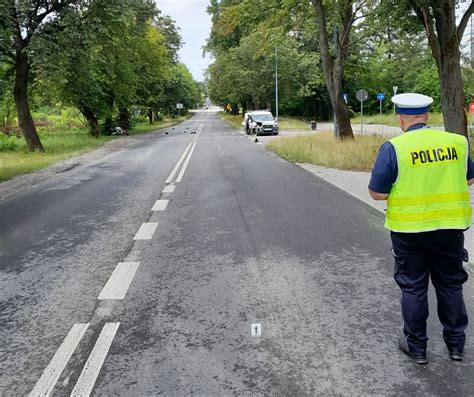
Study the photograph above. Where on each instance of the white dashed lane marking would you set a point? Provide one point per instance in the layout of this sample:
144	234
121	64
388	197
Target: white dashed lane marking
94	363
119	281
53	371
146	231
169	189
160	205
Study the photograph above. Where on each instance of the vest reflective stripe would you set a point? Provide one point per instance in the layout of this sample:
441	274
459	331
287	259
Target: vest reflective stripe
430	216
431	190
429	199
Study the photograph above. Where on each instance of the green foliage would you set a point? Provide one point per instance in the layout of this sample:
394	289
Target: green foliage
8	143
388	48
103	57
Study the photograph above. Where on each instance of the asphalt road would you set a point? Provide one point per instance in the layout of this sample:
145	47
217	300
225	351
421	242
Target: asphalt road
254	278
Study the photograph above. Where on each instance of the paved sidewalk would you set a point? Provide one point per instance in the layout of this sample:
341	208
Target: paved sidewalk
355	183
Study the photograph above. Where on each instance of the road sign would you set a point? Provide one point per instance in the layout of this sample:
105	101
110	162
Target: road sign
346	97
395	89
380	98
362	95
471	107
179	106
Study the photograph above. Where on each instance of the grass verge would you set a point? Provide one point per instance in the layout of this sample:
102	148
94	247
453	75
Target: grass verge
60	144
323	149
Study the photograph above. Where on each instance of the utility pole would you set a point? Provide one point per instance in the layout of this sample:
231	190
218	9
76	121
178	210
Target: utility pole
336	46
276	83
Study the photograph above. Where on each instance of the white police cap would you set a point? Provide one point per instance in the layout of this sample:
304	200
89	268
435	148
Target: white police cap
411	103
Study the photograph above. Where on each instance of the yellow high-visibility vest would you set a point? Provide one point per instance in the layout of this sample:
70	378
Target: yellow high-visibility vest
431	191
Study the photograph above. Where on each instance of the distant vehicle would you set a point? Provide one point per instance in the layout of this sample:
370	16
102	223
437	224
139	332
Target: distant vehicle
260	122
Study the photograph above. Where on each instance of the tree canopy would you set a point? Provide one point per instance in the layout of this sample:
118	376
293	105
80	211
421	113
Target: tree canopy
104	57
327	48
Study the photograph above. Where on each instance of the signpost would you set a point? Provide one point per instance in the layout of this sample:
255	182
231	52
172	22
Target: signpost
346	98
395	89
179	106
362	96
380	98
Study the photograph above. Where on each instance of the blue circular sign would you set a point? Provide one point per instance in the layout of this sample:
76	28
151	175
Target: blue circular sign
380	96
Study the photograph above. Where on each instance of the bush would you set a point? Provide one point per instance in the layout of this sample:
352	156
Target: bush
8	143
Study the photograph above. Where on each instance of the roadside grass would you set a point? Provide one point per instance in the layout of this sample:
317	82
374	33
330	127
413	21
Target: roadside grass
234	121
323	149
63	138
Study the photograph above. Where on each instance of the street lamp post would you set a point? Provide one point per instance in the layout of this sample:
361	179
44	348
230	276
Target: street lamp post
276	83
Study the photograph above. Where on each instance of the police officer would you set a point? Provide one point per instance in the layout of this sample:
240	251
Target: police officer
424	176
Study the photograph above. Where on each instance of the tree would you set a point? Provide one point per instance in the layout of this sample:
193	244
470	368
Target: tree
25	21
344	15
438	18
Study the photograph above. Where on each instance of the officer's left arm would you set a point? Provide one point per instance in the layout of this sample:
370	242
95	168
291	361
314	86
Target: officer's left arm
378	196
384	173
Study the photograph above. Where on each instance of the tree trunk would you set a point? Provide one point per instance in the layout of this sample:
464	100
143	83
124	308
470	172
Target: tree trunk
333	68
150	115
25	120
439	21
94	127
452	93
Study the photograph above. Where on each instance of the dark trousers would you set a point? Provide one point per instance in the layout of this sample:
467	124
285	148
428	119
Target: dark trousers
438	254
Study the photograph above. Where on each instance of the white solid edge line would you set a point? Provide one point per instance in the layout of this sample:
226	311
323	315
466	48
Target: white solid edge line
160	205
181	174
146	231
178	164
119	281
90	372
53	371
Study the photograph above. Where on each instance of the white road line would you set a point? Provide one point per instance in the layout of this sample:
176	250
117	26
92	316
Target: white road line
178	164
53	371
168	189
94	363
119	281
180	176
160	205
133	256
200	128
146	231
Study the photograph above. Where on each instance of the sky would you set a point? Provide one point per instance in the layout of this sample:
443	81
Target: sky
195	25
